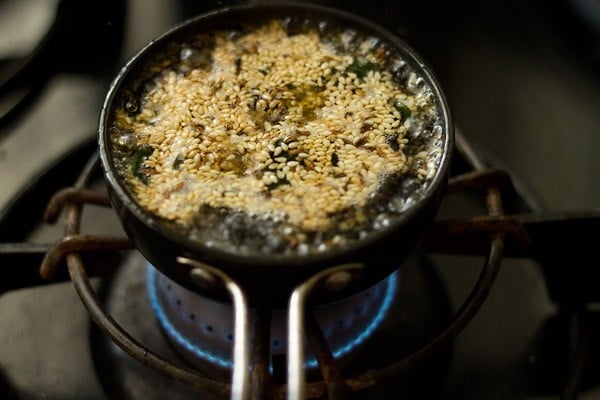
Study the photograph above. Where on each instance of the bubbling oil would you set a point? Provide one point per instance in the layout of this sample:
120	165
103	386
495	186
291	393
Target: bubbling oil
243	230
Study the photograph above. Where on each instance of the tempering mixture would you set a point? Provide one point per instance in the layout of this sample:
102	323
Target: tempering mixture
271	141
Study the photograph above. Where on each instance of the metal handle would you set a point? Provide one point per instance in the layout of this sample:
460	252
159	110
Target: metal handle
335	278
206	275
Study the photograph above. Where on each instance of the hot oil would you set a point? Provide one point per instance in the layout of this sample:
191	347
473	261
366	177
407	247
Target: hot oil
270	232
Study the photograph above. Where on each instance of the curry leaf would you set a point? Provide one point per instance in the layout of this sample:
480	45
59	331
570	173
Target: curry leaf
402	109
138	159
361	68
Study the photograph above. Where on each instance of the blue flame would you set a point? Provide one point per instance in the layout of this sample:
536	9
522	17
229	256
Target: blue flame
174	333
390	292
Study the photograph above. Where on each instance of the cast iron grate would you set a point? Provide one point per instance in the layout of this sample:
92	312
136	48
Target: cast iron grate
492	235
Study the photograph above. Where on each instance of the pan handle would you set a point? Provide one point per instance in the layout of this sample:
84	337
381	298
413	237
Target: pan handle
204	274
335	278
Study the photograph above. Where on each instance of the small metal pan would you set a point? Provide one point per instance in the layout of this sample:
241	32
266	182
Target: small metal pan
269	279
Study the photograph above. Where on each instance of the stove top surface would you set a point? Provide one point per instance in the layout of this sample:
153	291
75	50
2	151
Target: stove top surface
523	85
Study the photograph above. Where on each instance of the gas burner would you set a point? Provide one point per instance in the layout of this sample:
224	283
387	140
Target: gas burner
201	328
417	307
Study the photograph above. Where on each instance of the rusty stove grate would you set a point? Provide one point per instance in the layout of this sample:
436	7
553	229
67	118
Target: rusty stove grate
491	235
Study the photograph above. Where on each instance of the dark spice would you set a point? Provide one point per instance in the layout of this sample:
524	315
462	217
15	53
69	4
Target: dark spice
279	183
334	159
238	65
392	140
289	156
367	126
362	140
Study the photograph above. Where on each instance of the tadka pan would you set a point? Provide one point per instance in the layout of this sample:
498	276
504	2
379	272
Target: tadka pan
269	279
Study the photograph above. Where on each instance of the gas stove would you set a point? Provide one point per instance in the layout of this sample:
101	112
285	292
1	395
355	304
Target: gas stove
459	319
